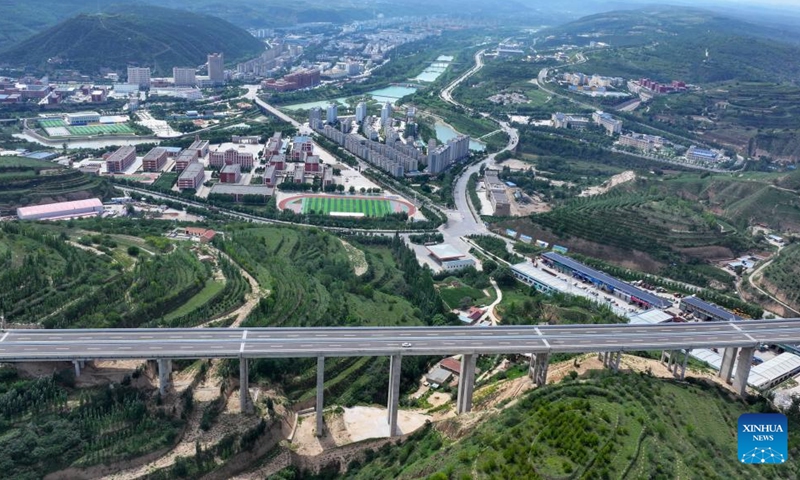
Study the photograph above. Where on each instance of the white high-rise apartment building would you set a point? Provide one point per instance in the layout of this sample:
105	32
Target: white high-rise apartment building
184	77
139	76
361	112
216	68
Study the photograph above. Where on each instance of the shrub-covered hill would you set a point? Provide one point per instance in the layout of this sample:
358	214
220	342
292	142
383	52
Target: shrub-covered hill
148	36
30	182
623	426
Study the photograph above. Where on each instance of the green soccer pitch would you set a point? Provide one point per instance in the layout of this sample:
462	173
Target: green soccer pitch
368	206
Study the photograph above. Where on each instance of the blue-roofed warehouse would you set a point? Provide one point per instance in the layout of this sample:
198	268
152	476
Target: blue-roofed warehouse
706	311
626	291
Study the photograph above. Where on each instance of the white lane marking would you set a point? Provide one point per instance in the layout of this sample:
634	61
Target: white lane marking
4	336
241	348
62	348
93	348
293	335
539	332
146	336
334	345
184	347
737	327
31	349
125	348
244	335
156	348
20	338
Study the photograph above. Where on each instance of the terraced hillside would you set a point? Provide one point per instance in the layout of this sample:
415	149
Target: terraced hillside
28	182
62	278
312	283
624	426
49	425
782	277
636	228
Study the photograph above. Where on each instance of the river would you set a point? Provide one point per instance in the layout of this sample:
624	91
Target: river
387	94
93	143
445	132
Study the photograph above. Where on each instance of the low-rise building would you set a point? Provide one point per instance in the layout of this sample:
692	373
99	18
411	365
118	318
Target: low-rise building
62	210
563	120
155	160
81	118
641	141
192	176
608	122
185	158
230	174
121	159
449	258
496	191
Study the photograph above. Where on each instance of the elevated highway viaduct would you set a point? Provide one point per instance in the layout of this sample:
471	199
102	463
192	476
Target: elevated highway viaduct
738	340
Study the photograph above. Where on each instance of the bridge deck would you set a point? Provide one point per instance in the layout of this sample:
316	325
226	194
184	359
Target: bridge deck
33	345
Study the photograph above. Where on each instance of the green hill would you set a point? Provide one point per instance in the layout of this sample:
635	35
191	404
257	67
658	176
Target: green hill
624	426
693	45
154	37
30	182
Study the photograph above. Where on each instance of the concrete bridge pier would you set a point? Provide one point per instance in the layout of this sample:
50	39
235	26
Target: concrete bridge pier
685	361
394	393
164	371
538	368
466	383
728	359
77	364
617	359
320	391
743	370
244	385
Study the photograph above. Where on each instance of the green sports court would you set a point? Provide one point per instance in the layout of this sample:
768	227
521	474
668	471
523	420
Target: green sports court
370	207
346	205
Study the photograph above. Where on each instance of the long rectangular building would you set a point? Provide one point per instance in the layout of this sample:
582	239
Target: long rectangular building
706	310
120	160
155	160
617	287
192	176
62	210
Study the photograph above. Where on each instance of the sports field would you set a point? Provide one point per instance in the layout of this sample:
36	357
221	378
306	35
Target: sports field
57	128
346	205
51	122
370	207
116	128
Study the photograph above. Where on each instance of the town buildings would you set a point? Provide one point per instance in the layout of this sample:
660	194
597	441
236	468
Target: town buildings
231	156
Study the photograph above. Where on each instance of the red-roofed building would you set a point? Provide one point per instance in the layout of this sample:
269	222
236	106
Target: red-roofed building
451	364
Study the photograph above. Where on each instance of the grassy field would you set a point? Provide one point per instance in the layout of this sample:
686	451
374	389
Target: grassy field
368	206
166	180
110	129
52	122
117	129
624	426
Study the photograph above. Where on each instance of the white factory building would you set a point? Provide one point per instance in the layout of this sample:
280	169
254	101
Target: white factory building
62	210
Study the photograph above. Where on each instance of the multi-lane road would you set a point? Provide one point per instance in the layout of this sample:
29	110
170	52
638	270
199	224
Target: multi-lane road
42	345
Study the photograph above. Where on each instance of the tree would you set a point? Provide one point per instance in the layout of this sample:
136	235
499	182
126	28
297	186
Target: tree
340	188
504	277
133	251
352	189
465	303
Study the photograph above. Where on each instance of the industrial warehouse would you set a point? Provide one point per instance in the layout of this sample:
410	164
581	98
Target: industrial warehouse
606	282
62	210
